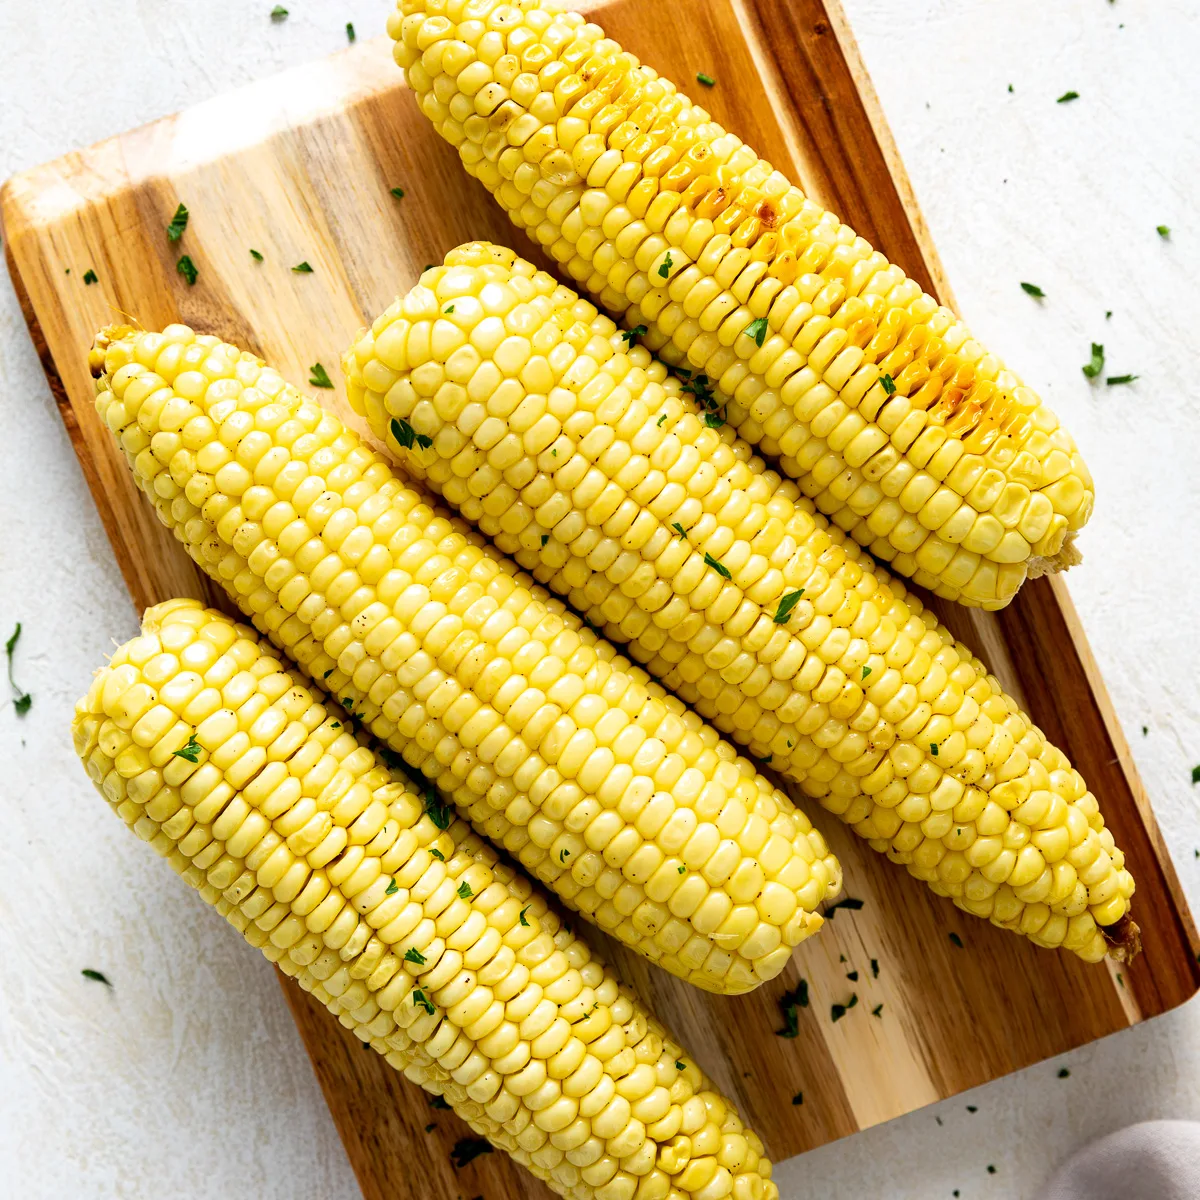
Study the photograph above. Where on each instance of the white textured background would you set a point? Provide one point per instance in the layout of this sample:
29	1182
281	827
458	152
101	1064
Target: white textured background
188	1079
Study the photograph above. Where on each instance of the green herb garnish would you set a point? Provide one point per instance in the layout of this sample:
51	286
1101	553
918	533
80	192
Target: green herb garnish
791	1003
874	968
467	1150
1163	231
437	854
523	912
413	955
660	420
888	384
630	335
187	269
667	263
1116	380
302	269
446	311
563	855
351	36
787	604
1032	289
852	976
717	565
757	329
254	254
407	436
22	700
850	904
1066	96
682	870
95	976
678	1065
439	1102
1063	1073
392	888
464	891
798	1098
933	749
420	998
706	80
679	529
956	940
838	1011
545	538
866	672
178	223
189	751
90	276
877	1011
279	13
713	420
1092	369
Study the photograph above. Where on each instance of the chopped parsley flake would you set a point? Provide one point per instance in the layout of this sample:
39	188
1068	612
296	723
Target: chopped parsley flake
682	869
279	13
631	335
791	1003
852	976
95	976
187	269
1067	96
545	538
90	276
713	420
449	309
717	565
178	223
1163	231
563	855
329	672
302	269
798	1098
392	888
661	420
866	672
678	1065
430	1127
787	602
888	384
413	955
22	700
421	999
407	436
850	904
523	912
667	263
1032	289
991	1169
971	1108
1063	1073
706	80
933	749
189	751
438	812
319	377
439	1102
874	968
956	940
464	891
437	854
757	329
1195	775
679	529
838	1011
351	36
254	254
1092	369
1116	380
467	1150
877	1011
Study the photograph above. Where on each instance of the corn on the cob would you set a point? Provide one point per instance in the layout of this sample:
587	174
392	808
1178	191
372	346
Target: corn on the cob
416	937
604	786
564	444
899	425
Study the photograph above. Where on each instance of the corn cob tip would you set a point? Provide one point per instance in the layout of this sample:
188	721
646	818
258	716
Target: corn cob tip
1124	939
1069	555
104	339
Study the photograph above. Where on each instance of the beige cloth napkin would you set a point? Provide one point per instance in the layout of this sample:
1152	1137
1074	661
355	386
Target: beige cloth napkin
1156	1160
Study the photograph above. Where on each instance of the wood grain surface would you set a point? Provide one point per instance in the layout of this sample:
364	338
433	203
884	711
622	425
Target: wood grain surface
300	167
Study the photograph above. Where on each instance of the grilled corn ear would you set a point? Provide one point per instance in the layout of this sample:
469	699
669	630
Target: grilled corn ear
447	962
567	446
895	421
599	782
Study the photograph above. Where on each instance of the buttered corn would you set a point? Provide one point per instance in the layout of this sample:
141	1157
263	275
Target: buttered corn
444	960
528	410
899	426
565	754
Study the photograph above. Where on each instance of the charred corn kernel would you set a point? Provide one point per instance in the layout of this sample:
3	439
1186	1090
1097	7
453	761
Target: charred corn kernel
563	752
821	352
614	492
449	963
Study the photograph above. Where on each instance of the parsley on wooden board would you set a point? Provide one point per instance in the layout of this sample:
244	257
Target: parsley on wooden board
254	254
850	904
467	1150
398	192
178	223
705	80
319	377
302	268
90	276
187	269
790	1004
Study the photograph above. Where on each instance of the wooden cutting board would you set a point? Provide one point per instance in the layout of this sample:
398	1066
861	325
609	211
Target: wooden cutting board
300	167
